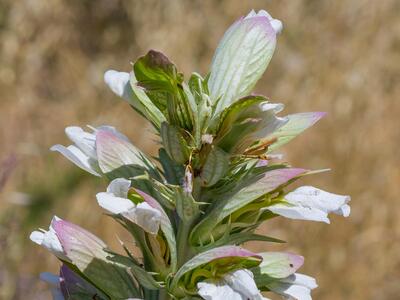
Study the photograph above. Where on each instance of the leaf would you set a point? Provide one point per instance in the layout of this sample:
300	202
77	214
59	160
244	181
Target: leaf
114	151
297	124
141	102
223	208
174	143
141	275
240	238
186	206
240	60
173	171
215	166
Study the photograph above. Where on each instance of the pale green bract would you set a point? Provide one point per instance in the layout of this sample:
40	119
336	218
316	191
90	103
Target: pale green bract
215	180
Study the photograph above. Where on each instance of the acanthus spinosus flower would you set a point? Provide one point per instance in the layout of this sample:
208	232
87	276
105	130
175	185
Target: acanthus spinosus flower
216	178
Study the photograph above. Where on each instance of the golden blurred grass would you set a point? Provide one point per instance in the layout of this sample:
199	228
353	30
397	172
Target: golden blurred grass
342	57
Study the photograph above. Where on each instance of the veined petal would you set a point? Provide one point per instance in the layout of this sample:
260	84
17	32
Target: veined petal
119	187
85	141
119	83
241	58
75	155
114	151
296	124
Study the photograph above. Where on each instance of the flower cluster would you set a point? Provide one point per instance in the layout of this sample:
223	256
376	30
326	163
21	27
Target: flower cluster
217	177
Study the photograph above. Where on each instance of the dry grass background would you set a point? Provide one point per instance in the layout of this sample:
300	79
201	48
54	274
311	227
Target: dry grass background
342	57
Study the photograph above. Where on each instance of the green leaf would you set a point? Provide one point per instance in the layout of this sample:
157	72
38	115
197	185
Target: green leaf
186	206
173	172
174	143
215	166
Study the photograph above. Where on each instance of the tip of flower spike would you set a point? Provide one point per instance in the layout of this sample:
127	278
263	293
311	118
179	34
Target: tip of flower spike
36	237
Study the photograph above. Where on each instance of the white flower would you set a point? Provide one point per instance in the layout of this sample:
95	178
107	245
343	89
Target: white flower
102	151
115	201
54	282
49	240
237	285
296	286
310	203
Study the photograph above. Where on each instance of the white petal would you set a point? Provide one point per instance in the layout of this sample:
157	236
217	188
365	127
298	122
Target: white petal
242	281
216	291
118	82
85	141
146	217
114	205
308	196
297	286
119	187
75	155
299	213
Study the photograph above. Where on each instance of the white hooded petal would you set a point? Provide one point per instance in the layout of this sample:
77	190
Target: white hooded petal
113	204
75	155
85	141
310	203
297	286
238	285
217	291
118	82
242	281
49	240
146	217
119	187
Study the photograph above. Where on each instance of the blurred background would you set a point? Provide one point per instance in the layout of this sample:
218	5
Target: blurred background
342	57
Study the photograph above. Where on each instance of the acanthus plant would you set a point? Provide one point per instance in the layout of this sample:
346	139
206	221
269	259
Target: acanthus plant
215	180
